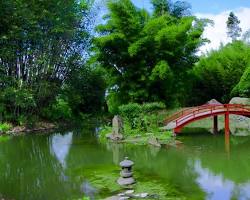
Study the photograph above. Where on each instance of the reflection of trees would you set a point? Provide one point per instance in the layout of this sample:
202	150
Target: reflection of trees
29	171
214	157
166	166
170	166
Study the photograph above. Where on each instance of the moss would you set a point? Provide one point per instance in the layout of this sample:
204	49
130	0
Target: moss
104	178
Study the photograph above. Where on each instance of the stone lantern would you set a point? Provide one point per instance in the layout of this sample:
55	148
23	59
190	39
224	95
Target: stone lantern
126	175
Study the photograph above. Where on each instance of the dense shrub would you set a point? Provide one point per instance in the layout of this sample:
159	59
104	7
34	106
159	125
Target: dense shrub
60	110
150	107
216	75
141	116
242	89
4	127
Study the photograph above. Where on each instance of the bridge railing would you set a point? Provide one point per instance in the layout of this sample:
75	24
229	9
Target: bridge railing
193	112
178	114
209	109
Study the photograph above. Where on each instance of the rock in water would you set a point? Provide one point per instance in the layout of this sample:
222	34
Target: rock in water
117	129
154	141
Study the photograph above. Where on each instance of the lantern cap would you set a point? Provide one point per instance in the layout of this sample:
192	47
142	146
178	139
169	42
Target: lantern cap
126	163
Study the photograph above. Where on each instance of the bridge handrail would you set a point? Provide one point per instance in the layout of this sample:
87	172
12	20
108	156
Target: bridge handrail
177	115
193	111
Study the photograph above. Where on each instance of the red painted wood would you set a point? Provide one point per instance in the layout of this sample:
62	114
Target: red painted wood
192	114
227	131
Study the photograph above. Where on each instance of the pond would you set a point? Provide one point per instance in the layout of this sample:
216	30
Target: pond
71	165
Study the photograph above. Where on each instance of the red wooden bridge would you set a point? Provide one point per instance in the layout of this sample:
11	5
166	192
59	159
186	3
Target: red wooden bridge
180	119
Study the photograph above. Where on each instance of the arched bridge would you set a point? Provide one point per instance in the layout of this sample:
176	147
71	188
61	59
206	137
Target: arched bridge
180	119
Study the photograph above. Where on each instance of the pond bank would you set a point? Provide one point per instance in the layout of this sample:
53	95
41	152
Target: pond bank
9	129
137	136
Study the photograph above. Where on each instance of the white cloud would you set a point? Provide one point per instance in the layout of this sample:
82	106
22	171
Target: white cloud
217	33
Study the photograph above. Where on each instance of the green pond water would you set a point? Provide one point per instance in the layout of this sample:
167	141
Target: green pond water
72	165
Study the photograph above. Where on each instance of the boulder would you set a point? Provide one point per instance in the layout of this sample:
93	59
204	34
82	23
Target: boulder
214	102
240	100
240	125
154	141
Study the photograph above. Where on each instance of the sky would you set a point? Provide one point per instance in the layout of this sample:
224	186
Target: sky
218	11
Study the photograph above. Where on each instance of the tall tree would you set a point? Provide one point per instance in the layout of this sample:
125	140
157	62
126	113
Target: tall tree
218	73
177	9
146	55
40	43
234	30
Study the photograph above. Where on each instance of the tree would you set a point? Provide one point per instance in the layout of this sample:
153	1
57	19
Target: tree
177	9
216	75
234	30
146	55
242	89
41	42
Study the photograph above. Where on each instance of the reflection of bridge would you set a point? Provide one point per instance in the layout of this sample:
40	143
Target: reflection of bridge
180	119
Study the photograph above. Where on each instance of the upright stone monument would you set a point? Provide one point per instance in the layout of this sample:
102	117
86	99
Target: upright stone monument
117	129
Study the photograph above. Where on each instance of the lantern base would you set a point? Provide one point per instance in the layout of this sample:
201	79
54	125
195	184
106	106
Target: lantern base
125	181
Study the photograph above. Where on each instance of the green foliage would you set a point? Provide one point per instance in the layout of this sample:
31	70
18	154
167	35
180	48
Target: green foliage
105	130
84	198
43	46
216	75
60	110
147	55
177	9
113	102
4	127
242	89
154	106
16	103
85	90
130	110
141	116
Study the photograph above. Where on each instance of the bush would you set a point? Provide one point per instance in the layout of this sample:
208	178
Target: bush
242	89
133	110
5	127
151	107
141	116
60	110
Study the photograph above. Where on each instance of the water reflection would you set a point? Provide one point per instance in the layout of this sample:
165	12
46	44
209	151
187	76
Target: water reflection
227	144
60	146
88	190
217	187
31	167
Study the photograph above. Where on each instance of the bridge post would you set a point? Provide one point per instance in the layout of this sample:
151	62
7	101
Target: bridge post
215	131
227	130
177	130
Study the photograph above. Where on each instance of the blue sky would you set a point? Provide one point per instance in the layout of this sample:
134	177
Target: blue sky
205	6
